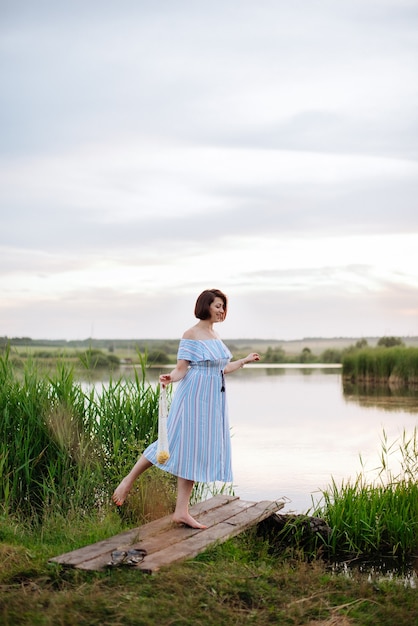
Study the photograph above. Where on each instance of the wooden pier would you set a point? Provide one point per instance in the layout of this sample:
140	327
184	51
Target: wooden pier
166	542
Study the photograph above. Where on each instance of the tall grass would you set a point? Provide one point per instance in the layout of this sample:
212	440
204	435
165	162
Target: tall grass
378	516
62	447
395	365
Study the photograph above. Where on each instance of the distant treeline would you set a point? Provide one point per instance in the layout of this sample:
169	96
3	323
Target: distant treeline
330	355
100	344
94	353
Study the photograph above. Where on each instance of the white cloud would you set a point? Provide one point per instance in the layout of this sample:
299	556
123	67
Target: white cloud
143	180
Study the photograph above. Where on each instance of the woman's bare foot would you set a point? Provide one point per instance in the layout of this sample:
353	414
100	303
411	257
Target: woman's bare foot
121	492
188	520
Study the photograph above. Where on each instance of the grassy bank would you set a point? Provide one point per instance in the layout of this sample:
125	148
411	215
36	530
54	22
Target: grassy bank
241	582
390	366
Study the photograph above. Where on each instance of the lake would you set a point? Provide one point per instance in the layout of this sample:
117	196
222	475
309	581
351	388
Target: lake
293	430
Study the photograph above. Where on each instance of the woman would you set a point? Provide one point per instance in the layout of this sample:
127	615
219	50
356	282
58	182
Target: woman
198	428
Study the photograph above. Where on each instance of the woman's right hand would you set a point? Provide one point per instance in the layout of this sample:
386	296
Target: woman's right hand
165	379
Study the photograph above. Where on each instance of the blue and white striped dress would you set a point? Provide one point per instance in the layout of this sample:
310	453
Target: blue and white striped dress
198	427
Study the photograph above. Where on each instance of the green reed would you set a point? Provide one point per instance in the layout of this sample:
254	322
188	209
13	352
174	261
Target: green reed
126	415
382	365
378	516
63	447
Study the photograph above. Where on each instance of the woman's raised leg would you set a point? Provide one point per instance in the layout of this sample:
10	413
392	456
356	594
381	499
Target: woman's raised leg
124	487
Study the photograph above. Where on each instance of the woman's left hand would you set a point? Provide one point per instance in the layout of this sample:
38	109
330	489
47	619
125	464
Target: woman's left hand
253	356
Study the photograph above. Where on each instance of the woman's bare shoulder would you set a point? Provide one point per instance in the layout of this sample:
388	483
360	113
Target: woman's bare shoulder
190	333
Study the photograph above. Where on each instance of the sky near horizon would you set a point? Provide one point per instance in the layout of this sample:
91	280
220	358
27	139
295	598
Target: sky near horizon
152	149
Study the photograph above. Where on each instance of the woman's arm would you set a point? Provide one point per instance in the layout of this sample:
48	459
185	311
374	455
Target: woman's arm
233	366
176	374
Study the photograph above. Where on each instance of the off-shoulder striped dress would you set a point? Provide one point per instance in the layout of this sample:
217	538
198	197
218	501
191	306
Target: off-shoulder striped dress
198	427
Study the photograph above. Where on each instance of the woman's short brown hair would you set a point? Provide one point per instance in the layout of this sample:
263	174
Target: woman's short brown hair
204	301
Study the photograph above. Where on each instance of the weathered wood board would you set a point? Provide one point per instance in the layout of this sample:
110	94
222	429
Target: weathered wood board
166	542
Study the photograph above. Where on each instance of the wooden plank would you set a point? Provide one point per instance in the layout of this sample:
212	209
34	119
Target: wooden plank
219	533
171	534
179	543
127	538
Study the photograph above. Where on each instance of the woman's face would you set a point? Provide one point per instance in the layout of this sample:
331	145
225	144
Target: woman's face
217	310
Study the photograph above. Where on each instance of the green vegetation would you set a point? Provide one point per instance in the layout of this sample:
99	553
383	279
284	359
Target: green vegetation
63	447
96	353
306	354
93	359
393	365
89	359
377	517
389	342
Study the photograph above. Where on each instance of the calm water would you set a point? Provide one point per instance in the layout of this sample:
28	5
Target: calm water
293	429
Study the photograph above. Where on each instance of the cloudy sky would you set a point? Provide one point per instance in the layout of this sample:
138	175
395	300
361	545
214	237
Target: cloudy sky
152	148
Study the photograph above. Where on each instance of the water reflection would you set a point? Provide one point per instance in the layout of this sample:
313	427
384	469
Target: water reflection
384	397
380	569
